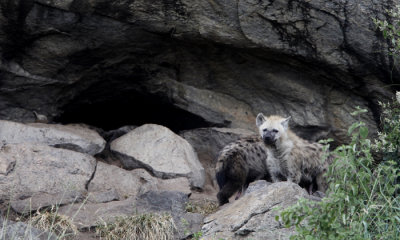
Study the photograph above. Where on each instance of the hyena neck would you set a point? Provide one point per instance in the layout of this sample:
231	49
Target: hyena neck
284	146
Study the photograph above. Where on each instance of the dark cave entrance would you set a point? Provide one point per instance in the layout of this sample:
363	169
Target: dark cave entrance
111	111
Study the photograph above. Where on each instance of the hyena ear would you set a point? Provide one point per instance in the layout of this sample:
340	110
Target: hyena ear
285	123
260	119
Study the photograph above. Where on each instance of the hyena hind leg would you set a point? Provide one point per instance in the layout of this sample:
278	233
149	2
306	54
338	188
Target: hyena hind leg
322	185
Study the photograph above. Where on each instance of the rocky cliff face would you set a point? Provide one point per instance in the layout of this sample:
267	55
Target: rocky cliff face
206	67
188	64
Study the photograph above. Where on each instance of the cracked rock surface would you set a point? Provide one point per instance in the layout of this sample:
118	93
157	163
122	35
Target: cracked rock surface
121	183
38	176
252	216
76	138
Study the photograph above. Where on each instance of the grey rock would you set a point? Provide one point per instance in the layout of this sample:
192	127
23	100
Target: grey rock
90	215
22	231
160	151
87	215
76	138
218	62
103	196
43	176
125	184
257	186
253	215
29	202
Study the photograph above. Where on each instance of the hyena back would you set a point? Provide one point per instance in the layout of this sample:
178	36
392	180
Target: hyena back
240	163
299	160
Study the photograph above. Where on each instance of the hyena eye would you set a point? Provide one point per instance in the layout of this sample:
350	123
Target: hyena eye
274	130
265	130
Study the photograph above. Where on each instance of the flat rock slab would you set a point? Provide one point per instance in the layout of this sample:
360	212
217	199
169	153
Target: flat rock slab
39	176
252	216
73	137
160	151
111	180
90	215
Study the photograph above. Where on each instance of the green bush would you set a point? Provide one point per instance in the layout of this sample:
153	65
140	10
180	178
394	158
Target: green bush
391	30
361	200
388	142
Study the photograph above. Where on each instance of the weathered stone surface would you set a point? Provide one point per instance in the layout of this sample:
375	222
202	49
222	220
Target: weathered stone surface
43	176
74	137
19	230
216	63
257	186
252	216
207	142
89	215
160	151
33	201
103	196
132	183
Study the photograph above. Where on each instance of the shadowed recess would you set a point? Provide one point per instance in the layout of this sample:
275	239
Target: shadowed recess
111	111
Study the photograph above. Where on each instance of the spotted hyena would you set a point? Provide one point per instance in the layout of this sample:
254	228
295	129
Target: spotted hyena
299	160
240	163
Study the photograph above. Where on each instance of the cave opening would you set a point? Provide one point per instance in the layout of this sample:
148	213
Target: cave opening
111	111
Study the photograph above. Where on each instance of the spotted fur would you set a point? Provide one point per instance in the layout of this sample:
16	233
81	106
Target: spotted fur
240	163
297	159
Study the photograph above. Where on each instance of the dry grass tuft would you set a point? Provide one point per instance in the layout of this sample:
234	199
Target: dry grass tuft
51	221
146	226
205	207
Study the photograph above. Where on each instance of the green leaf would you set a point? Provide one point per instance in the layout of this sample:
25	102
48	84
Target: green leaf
363	132
353	127
309	237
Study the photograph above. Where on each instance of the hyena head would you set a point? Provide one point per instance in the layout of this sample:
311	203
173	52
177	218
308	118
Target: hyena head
272	128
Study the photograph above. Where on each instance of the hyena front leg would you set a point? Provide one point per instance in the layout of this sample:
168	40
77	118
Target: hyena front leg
294	177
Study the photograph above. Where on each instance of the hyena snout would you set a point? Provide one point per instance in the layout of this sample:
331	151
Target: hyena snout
269	137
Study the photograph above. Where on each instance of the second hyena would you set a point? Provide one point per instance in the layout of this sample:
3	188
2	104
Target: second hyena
299	160
240	163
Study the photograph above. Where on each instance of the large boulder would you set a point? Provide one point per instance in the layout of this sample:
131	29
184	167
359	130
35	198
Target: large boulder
253	215
109	179
73	137
195	64
33	176
160	151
